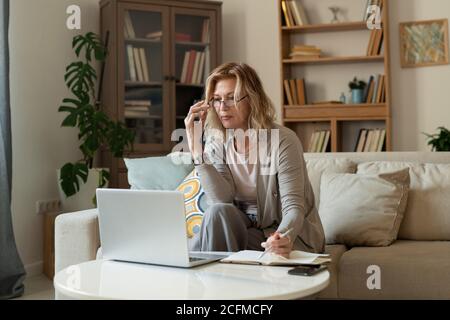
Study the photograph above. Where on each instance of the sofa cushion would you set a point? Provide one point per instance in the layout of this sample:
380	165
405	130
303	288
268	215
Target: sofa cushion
427	215
158	173
194	201
408	270
335	251
363	209
317	167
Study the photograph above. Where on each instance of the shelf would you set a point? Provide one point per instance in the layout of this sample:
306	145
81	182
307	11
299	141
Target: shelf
129	83
143	40
330	60
327	27
191	43
335	111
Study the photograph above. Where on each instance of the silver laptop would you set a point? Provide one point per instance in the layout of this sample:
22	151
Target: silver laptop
146	227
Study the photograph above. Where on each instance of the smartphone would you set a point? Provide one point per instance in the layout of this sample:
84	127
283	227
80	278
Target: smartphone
307	270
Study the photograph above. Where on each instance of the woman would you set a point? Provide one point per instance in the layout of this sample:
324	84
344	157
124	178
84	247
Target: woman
250	210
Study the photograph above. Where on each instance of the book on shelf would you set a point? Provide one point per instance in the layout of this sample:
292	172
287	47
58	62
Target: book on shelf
205	38
326	141
190	67
375	42
295	91
301	91
287	91
131	64
293	88
366	89
371	140
305	51
194	65
145	64
319	141
138	65
296	257
156	35
359	147
294	14
376	89
184	37
128	25
138	103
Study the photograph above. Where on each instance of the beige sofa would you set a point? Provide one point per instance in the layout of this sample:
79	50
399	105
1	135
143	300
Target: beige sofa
416	266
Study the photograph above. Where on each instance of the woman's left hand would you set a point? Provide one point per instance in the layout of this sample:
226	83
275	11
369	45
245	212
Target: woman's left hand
278	245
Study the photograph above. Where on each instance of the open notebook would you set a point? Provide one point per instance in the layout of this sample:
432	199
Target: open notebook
270	259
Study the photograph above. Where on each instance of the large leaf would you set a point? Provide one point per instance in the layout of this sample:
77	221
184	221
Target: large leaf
92	132
92	45
76	110
80	78
70	177
119	137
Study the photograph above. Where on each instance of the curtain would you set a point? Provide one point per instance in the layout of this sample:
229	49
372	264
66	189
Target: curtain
12	272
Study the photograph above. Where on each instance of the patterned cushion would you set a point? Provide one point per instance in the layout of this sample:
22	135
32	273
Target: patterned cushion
194	201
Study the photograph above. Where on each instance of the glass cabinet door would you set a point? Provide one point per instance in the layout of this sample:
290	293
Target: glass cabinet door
194	53
143	104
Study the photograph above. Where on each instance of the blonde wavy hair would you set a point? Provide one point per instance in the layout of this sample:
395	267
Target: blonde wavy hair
262	112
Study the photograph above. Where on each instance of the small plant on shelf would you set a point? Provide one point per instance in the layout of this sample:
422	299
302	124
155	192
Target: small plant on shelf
439	141
357	88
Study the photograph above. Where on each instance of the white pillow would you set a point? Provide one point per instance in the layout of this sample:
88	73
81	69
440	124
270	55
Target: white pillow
363	209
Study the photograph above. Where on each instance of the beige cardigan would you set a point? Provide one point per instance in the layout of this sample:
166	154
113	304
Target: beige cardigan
285	197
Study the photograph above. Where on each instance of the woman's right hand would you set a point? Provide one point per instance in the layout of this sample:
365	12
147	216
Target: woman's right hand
194	123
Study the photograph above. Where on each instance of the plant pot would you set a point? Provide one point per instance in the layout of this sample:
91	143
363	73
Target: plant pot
83	199
357	96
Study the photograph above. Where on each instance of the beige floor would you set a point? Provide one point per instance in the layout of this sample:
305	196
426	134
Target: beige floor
38	288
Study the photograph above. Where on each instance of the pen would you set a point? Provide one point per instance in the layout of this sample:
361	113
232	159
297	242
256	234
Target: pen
284	234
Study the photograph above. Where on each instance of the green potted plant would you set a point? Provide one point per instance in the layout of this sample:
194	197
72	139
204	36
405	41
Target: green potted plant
439	141
357	88
95	129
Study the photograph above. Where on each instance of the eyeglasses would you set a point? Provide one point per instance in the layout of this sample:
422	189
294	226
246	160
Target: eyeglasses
216	103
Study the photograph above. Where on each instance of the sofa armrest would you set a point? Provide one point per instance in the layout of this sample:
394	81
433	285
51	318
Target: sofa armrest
76	238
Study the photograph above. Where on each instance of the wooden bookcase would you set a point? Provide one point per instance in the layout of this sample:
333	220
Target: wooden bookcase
343	120
163	35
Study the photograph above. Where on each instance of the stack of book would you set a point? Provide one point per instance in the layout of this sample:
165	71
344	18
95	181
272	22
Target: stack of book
293	13
295	91
193	71
371	140
138	64
300	52
156	35
128	26
376	43
375	91
320	141
137	109
183	37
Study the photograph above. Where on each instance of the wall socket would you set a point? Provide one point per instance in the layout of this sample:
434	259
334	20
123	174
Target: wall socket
43	206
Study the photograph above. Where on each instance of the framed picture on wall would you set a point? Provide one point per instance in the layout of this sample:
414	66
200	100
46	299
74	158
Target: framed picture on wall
424	43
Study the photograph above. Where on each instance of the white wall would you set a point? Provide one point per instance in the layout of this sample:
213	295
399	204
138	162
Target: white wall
420	96
40	49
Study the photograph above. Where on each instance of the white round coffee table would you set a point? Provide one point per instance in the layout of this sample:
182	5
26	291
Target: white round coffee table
101	279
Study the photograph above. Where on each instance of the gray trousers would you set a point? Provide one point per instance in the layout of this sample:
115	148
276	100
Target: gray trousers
226	228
